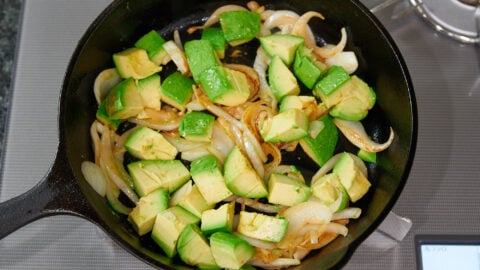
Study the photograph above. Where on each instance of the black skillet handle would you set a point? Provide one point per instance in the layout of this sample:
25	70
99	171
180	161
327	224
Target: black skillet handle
56	194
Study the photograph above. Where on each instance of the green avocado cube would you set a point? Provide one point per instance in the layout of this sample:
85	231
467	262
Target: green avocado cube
218	220
197	126
240	26
225	86
146	143
168	226
351	177
134	63
144	213
281	79
194	202
105	119
149	175
261	226
367	156
326	88
321	142
149	89
193	248
124	100
328	189
306	68
152	42
176	90
216	37
230	251
207	174
286	190
281	45
287	126
200	56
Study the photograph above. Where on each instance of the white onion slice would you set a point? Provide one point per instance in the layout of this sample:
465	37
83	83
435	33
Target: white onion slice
356	134
302	29
347	60
283	19
105	81
178	56
95	177
347	213
180	193
330	50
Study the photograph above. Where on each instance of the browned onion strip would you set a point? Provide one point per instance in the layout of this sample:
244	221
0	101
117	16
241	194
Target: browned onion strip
356	134
96	141
180	143
272	151
282	19
302	29
260	65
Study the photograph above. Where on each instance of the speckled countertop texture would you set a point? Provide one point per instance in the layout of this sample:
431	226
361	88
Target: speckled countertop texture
10	11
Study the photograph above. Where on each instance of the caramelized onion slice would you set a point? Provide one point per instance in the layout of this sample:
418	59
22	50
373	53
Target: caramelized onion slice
356	134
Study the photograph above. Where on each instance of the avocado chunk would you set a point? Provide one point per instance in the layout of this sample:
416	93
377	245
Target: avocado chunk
322	140
146	143
123	101
328	189
261	226
193	248
307	104
240	26
367	156
358	99
287	126
230	251
216	37
207	174
143	215
286	190
134	63
307	69
281	79
105	119
326	88
194	202
149	175
225	86
197	126
218	220
241	178
168	226
351	177
176	90
200	56
281	45
149	89
152	42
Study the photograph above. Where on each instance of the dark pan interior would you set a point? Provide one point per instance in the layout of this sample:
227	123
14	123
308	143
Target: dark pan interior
381	66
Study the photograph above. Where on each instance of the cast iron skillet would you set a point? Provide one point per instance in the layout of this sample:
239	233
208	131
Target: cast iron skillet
64	190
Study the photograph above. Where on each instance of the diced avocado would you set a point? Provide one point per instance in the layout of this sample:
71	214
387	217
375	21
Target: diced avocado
230	251
124	100
261	226
194	202
103	117
358	99
351	177
143	215
281	45
207	174
307	104
240	26
149	175
326	88
322	140
193	248
150	91
197	126
328	188
216	37
225	86
367	156
200	56
241	178
307	69
281	79
146	143
134	63
168	226
152	42
286	190
218	220
287	126
176	90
